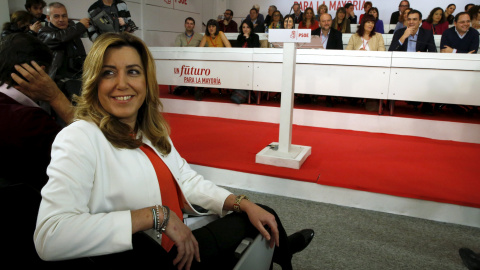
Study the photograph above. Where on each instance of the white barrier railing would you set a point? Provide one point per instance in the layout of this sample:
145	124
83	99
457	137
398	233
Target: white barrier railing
439	78
345	38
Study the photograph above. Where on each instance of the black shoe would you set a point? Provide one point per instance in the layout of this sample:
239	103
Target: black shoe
300	240
469	258
199	94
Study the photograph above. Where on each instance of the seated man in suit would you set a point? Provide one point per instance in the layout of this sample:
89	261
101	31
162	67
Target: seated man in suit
351	13
413	38
188	39
460	39
297	12
331	39
258	23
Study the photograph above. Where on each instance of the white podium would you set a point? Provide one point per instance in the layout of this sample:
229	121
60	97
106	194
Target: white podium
283	153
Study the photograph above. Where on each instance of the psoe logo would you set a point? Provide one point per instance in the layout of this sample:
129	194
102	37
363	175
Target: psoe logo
293	35
168	1
304	35
190	70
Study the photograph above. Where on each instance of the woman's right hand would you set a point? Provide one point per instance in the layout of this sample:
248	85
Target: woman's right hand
187	245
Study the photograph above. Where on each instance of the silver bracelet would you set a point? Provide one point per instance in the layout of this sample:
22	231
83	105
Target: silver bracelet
166	217
157	224
154	214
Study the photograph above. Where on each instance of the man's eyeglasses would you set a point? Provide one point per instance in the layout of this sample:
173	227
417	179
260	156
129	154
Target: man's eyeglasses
227	14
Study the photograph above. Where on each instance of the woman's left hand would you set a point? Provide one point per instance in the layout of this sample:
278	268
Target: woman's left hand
259	217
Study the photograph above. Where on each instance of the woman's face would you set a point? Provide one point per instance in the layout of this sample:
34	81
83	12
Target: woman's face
122	87
405	16
309	14
374	13
451	9
245	29
437	16
212	29
369	26
367	8
322	10
288	23
341	16
276	16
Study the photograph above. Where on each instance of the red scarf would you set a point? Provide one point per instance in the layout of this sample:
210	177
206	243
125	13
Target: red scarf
169	189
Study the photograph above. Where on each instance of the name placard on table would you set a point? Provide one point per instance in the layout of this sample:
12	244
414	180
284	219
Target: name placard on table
290	35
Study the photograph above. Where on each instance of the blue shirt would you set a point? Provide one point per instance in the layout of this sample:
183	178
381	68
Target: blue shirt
412	42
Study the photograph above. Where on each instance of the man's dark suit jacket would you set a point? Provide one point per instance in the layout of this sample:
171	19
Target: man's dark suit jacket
425	41
394	17
334	39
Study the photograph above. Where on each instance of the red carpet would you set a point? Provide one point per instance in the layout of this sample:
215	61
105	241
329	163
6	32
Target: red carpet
413	167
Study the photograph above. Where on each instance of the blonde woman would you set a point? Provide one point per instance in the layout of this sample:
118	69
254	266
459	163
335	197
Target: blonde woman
118	188
340	22
320	10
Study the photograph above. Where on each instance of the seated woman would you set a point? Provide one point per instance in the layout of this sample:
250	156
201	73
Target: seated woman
402	20
308	21
277	20
436	21
213	37
378	23
246	39
19	23
449	13
340	22
366	39
117	187
366	6
320	10
289	22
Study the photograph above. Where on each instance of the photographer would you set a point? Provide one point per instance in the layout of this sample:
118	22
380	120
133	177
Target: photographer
62	36
35	8
109	16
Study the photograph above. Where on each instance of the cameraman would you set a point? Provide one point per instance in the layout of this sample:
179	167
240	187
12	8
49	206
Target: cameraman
115	13
35	7
62	36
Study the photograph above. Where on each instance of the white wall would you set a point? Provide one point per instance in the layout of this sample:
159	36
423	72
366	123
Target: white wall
4	12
